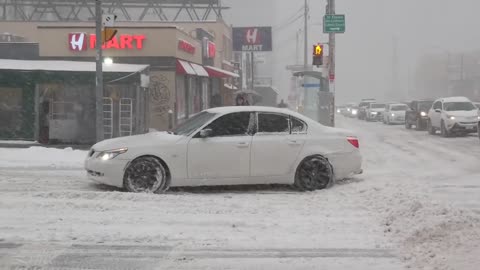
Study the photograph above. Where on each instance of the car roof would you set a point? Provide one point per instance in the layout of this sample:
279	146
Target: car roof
397	104
233	109
454	99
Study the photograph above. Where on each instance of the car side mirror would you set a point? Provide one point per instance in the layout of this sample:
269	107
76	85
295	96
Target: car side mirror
205	133
438	110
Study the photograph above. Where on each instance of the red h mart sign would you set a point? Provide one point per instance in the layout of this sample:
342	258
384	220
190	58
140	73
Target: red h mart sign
79	42
186	46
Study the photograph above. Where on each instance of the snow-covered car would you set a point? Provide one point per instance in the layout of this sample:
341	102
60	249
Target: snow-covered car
229	146
395	114
453	115
375	112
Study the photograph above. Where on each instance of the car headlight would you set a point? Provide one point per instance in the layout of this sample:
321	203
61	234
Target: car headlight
423	114
338	111
393	115
451	117
111	154
355	112
373	113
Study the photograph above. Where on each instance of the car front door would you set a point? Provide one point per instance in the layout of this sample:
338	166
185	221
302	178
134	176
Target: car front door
225	153
435	114
276	144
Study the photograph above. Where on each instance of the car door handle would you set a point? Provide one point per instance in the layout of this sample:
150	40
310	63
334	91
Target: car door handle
242	144
293	142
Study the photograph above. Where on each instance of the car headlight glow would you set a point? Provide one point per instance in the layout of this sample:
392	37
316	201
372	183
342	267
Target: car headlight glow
423	114
356	111
373	113
393	115
338	111
451	117
111	154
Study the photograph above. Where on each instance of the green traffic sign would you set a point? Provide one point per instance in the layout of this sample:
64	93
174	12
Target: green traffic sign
334	23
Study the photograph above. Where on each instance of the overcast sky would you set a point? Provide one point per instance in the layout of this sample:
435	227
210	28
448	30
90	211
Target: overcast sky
364	52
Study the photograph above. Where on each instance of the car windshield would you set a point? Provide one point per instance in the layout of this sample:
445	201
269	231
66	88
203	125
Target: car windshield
194	123
425	106
377	106
459	106
399	108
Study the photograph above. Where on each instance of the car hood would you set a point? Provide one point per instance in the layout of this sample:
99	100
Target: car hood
377	110
398	112
158	138
463	113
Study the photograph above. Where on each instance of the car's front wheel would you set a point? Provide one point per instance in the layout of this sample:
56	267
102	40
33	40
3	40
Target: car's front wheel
444	130
314	173
146	175
430	128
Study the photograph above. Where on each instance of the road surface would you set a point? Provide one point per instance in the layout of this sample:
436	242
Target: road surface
417	197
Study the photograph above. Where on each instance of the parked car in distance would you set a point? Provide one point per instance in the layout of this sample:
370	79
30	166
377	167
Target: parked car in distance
353	112
417	114
395	113
240	145
453	115
362	108
375	112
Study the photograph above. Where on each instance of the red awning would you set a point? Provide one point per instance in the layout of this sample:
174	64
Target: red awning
184	67
220	73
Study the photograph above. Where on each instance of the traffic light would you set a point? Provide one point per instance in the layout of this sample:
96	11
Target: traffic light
318	55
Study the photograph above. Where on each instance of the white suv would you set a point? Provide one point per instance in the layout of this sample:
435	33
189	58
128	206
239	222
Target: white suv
453	115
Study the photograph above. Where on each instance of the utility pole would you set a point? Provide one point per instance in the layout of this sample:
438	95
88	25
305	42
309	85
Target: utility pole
395	91
305	48
331	56
99	72
252	67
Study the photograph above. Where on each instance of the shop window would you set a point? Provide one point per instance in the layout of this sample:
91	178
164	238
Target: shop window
10	110
180	97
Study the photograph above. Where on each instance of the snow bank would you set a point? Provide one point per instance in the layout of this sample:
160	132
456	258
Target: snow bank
434	236
41	157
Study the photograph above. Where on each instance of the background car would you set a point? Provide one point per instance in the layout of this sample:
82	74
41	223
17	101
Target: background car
375	112
453	115
362	108
417	114
395	113
229	146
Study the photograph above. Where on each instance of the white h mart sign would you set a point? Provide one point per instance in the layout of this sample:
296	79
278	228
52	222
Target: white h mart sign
251	36
77	41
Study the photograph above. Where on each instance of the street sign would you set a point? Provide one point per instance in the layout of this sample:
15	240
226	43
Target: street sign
311	85
334	23
108	20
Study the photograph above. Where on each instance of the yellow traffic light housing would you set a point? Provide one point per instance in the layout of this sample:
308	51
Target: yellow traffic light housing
318	55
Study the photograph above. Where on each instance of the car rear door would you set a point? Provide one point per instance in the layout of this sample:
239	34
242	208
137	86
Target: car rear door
436	116
276	144
226	154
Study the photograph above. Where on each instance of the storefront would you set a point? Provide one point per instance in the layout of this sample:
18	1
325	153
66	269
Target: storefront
186	72
54	101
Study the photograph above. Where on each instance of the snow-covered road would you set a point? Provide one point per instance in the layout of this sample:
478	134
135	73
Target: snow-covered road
417	206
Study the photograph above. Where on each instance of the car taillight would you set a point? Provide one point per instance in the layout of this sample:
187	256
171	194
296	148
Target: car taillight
353	141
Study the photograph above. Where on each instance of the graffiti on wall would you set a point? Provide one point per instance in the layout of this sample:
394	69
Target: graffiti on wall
160	95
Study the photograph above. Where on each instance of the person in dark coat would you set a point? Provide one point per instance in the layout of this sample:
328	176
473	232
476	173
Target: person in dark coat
282	104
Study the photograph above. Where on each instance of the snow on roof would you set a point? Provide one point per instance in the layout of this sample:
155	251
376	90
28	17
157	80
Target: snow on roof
72	66
455	99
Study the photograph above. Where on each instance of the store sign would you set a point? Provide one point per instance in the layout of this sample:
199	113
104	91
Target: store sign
252	39
82	42
186	46
210	49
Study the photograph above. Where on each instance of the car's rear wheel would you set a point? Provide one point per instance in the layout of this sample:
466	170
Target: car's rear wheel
443	130
146	175
314	173
430	128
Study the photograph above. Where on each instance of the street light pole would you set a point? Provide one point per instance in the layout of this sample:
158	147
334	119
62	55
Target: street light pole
99	72
305	48
331	57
